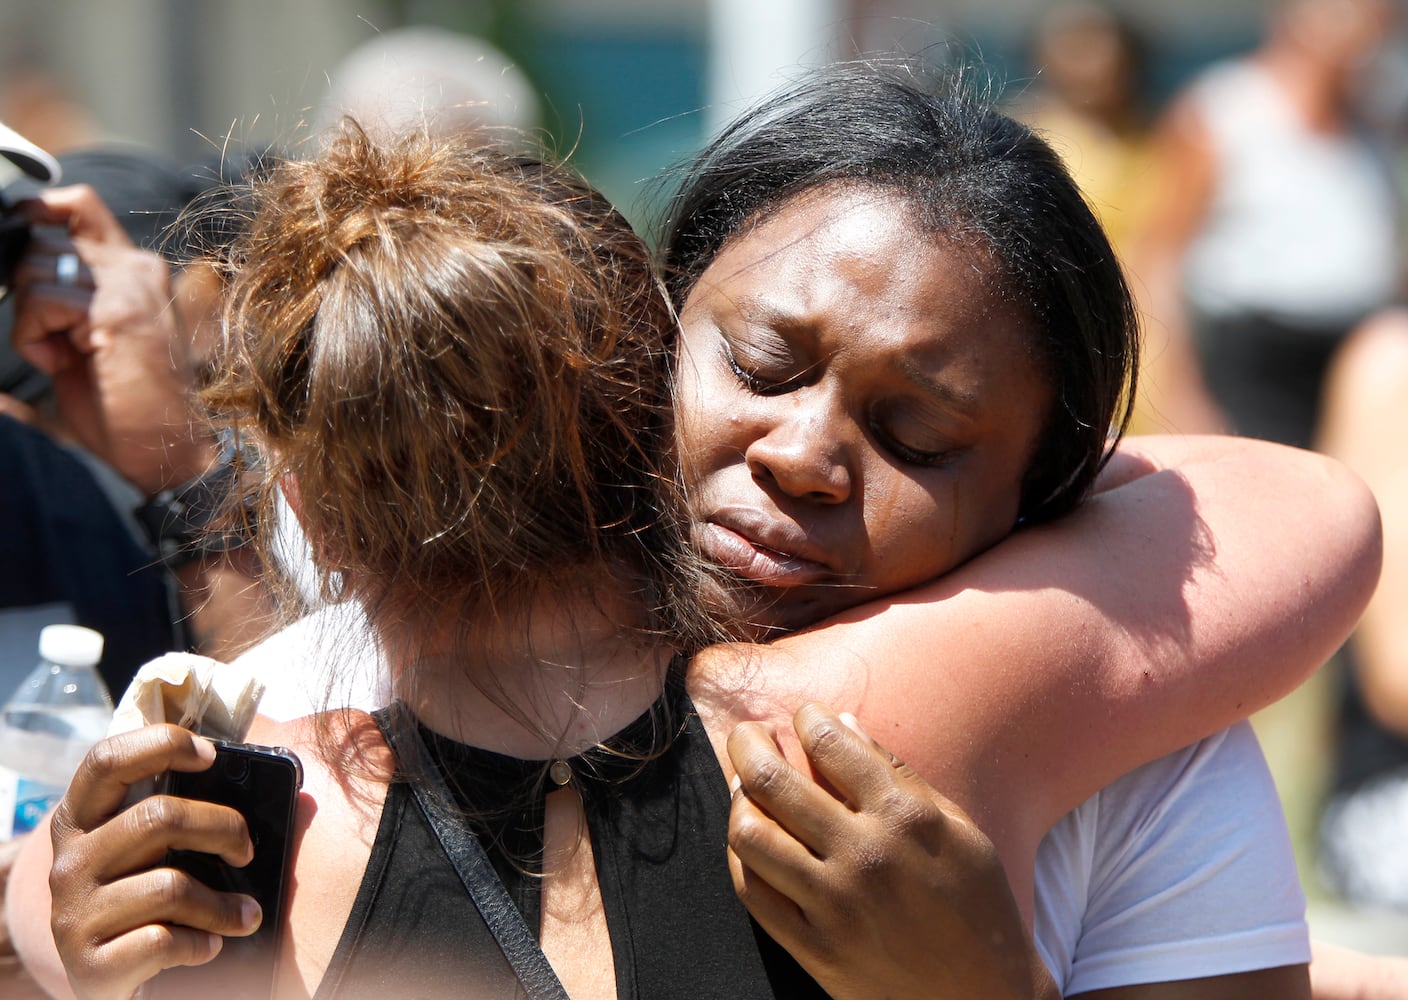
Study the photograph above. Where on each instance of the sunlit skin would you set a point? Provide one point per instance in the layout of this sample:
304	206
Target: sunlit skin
857	405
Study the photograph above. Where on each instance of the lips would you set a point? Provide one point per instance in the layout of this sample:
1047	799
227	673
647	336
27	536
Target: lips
768	553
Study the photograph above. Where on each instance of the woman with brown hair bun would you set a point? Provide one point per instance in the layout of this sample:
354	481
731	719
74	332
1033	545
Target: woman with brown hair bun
533	610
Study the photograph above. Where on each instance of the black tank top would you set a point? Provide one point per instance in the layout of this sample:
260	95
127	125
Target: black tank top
657	808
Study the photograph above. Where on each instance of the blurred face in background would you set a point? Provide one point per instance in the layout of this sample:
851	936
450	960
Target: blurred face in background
1341	35
1087	58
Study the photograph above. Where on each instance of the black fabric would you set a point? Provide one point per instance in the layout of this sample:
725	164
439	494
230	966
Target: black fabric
1365	748
64	543
476	873
657	807
1267	375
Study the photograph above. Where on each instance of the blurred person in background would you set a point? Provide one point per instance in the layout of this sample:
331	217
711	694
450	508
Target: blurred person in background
1276	227
111	479
100	542
402	79
1089	98
1088	101
37	164
38	105
1366	824
114	504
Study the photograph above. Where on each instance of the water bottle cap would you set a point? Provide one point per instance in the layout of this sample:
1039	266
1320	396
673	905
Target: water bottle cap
71	645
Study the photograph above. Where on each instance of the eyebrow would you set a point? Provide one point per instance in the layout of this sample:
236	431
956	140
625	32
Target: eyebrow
965	401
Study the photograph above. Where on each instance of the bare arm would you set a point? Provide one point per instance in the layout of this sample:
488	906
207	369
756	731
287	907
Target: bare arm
1366	427
1163	610
1340	974
27	913
16	981
108	915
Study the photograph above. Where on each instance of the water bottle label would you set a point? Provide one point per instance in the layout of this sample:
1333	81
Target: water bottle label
32	800
23	802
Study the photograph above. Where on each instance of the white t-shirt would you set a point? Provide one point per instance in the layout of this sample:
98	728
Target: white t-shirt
330	658
1181	869
1303	225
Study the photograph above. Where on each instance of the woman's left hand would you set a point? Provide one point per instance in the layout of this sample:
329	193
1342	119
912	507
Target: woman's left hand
876	883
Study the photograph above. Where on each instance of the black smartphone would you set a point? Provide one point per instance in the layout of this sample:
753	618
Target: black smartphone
262	783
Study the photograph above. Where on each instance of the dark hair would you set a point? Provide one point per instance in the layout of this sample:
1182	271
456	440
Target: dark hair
972	175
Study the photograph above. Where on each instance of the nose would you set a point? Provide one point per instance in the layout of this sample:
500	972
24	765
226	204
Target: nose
804	452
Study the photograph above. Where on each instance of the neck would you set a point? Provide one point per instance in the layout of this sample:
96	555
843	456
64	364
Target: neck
546	678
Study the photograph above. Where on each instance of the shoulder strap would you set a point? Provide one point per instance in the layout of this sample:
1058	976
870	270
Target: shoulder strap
466	854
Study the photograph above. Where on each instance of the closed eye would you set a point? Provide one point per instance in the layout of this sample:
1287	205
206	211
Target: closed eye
913	456
913	439
768	377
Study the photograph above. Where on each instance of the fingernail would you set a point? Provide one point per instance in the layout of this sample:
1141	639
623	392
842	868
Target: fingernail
854	724
251	915
734	784
216	943
205	750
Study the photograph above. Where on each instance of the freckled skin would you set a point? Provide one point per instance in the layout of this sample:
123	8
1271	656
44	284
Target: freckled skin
857	405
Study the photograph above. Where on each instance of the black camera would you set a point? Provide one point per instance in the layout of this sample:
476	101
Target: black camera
14	237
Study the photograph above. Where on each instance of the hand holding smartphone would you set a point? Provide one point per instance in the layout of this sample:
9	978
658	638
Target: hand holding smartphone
262	783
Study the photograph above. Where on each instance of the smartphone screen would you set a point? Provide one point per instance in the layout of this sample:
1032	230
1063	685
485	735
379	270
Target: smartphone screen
262	783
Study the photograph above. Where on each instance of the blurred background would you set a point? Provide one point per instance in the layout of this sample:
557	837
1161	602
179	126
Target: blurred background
627	88
629	85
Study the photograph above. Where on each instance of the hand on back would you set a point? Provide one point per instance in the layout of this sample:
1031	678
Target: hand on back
876	883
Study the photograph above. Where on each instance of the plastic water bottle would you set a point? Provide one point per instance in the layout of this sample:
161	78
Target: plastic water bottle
49	723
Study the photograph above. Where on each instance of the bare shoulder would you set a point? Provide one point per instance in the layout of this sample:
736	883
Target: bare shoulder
346	766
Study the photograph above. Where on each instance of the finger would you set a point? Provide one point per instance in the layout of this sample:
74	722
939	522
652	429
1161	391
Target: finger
772	853
801	806
64	267
169	896
44	317
862	772
40	288
853	724
775	913
80	210
142	954
114	764
141	835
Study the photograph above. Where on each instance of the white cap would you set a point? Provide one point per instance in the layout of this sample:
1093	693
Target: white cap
27	156
70	645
